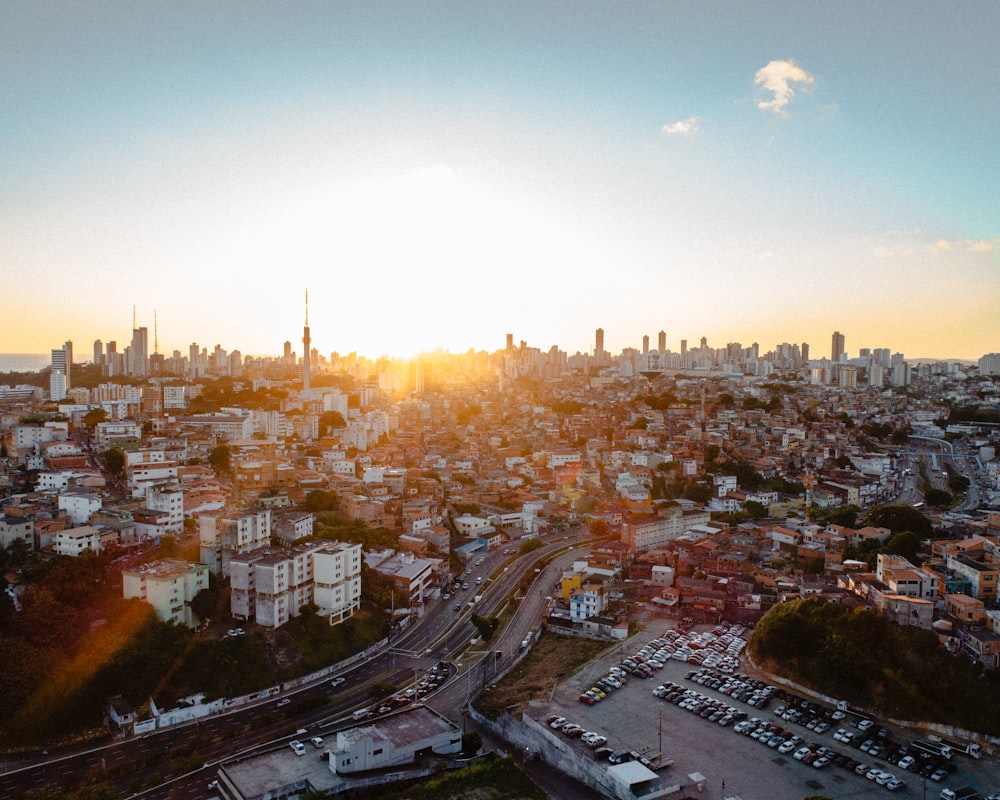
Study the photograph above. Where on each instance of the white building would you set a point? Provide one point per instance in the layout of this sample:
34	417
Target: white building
167	585
393	740
170	500
271	586
74	541
222	537
79	506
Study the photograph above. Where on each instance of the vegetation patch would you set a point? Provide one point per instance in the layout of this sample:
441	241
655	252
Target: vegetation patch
859	656
552	659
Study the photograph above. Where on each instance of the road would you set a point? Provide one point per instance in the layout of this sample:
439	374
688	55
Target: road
440	634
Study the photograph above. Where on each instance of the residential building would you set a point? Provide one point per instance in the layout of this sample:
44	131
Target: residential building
74	541
169	586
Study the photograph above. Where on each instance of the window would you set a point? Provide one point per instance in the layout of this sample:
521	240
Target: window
377	752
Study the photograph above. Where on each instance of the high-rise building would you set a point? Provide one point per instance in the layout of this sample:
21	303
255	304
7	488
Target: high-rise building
645	344
837	352
98	352
805	352
661	343
510	342
62	362
138	361
306	342
599	340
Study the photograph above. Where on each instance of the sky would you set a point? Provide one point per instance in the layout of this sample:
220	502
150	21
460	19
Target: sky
440	174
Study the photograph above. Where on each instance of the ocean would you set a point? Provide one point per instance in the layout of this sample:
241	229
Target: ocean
23	362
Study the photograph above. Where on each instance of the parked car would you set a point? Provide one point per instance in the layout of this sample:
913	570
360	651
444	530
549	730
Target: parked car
298	747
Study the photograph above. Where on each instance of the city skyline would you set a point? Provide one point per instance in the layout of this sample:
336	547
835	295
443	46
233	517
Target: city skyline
444	175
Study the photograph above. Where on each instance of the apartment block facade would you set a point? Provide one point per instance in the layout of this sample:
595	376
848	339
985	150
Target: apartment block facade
271	586
168	586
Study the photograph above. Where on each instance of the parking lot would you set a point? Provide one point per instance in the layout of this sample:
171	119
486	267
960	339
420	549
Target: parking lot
713	720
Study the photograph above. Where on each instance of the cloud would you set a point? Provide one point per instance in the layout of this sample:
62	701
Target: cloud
778	78
683	127
972	245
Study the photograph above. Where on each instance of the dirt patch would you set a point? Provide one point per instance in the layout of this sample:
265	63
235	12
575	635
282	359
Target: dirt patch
552	659
280	650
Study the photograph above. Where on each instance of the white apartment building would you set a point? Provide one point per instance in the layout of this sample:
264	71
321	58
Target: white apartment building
337	580
649	532
271	586
560	458
588	601
168	499
143	476
222	537
168	586
73	541
27	436
53	481
79	506
107	432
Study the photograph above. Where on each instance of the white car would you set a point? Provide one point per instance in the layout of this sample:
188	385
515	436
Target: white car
317	742
298	747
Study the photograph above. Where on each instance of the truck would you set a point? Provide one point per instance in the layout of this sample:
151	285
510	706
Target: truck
936	749
965	793
970	749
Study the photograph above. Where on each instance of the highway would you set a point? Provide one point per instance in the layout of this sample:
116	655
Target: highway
196	749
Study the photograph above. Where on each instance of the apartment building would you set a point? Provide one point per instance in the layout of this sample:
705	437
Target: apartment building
588	601
79	506
222	537
168	586
648	532
170	501
271	586
74	541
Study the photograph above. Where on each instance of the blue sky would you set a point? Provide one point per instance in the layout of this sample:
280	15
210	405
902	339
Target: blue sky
440	174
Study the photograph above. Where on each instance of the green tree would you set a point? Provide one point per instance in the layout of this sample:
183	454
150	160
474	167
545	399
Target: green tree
900	518
204	603
320	500
486	626
95	417
114	461
220	459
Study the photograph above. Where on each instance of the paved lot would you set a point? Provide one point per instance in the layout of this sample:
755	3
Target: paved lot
633	719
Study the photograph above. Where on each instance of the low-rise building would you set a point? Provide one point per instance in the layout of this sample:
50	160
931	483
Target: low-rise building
74	541
394	740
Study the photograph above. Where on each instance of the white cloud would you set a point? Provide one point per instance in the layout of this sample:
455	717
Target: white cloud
972	245
778	78
683	127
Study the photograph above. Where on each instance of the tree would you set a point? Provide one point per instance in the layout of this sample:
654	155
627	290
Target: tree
220	459
330	421
204	603
905	544
95	417
486	626
599	528
114	461
900	518
319	500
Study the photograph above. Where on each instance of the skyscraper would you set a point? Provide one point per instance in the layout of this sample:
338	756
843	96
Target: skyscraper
306	342
138	362
662	342
62	362
645	344
837	350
